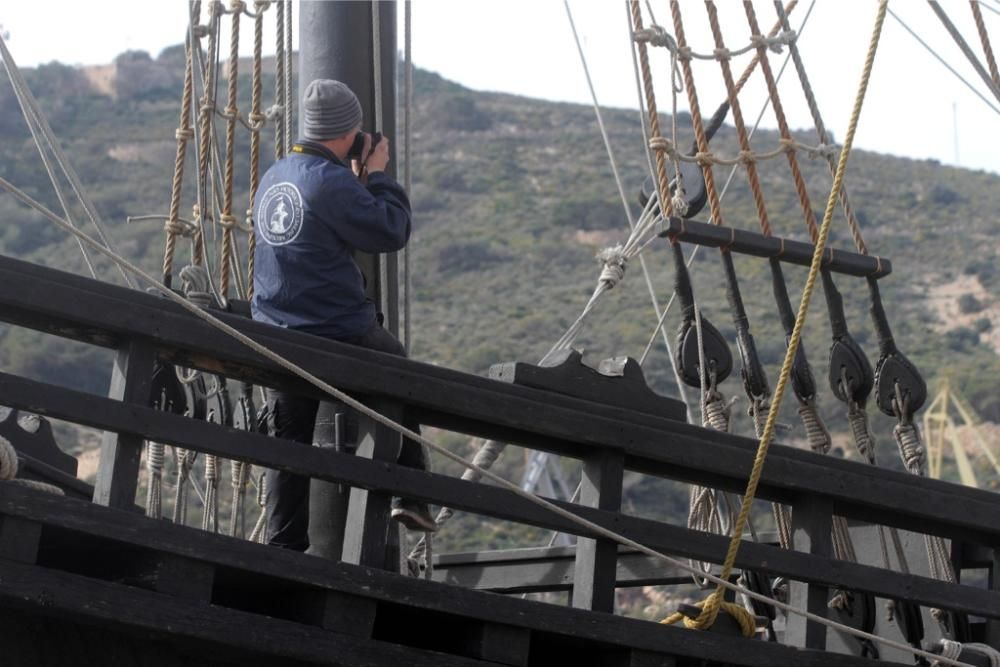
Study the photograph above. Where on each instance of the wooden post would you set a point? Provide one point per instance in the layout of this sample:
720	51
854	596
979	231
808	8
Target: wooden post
992	624
596	560
366	538
118	470
19	539
812	521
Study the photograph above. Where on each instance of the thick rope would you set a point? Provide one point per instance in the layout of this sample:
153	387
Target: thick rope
662	182
154	469
184	134
185	459
984	37
713	603
8	460
277	112
696	119
237	512
206	116
226	220
824	136
288	96
257	119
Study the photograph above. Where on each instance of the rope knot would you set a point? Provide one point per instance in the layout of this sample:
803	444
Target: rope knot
237	6
656	35
177	228
248	221
274	112
704	159
184	134
199	31
824	150
722	54
787	144
207	106
261	5
663	144
745	157
195	285
227	221
230	113
614	261
256	121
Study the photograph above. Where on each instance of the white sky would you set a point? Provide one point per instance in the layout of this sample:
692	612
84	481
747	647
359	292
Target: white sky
915	107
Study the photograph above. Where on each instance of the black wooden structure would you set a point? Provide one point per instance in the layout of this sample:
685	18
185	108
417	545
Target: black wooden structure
86	576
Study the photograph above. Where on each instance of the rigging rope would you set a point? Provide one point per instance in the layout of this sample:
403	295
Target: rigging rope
713	603
227	221
990	81
353	403
944	62
277	113
984	37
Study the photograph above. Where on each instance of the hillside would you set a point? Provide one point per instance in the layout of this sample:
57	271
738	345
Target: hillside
512	199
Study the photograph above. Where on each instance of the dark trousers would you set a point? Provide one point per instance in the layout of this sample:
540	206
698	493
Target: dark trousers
294	418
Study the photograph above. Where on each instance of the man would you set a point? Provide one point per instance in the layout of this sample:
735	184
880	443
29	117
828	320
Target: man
312	213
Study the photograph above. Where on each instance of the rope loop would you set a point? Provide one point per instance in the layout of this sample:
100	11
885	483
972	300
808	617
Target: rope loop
823	150
230	113
199	31
184	134
614	261
195	285
722	54
227	221
704	158
788	144
745	157
178	228
663	144
256	121
656	35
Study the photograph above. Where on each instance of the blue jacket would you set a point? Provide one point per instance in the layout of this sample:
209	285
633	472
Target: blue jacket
311	214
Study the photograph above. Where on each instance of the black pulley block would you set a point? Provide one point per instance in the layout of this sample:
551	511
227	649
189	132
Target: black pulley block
718	357
847	358
893	369
217	409
166	391
910	623
694	189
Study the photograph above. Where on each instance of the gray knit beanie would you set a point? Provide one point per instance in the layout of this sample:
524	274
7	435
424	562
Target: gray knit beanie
330	110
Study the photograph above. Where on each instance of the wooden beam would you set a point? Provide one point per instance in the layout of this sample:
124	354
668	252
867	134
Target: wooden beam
596	560
787	250
366	536
19	539
118	470
811	524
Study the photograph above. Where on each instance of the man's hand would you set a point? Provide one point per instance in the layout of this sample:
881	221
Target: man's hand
379	156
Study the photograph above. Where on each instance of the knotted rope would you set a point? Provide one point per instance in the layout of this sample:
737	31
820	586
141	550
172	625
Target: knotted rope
154	469
227	221
184	133
8	460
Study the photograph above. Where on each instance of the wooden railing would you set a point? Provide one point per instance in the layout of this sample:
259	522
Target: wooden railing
143	328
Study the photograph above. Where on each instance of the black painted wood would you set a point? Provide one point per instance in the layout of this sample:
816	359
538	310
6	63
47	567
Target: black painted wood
499	643
787	250
19	539
287	570
811	524
366	536
35	439
230	443
618	382
103	603
595	565
71	307
118	470
545	569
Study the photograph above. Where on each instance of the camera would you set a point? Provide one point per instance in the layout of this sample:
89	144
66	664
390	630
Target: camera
358	147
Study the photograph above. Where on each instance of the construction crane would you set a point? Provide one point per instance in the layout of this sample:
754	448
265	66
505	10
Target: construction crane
941	432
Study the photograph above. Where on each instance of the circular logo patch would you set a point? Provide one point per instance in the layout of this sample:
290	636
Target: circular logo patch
280	214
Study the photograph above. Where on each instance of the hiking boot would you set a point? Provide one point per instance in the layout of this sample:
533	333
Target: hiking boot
414	515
